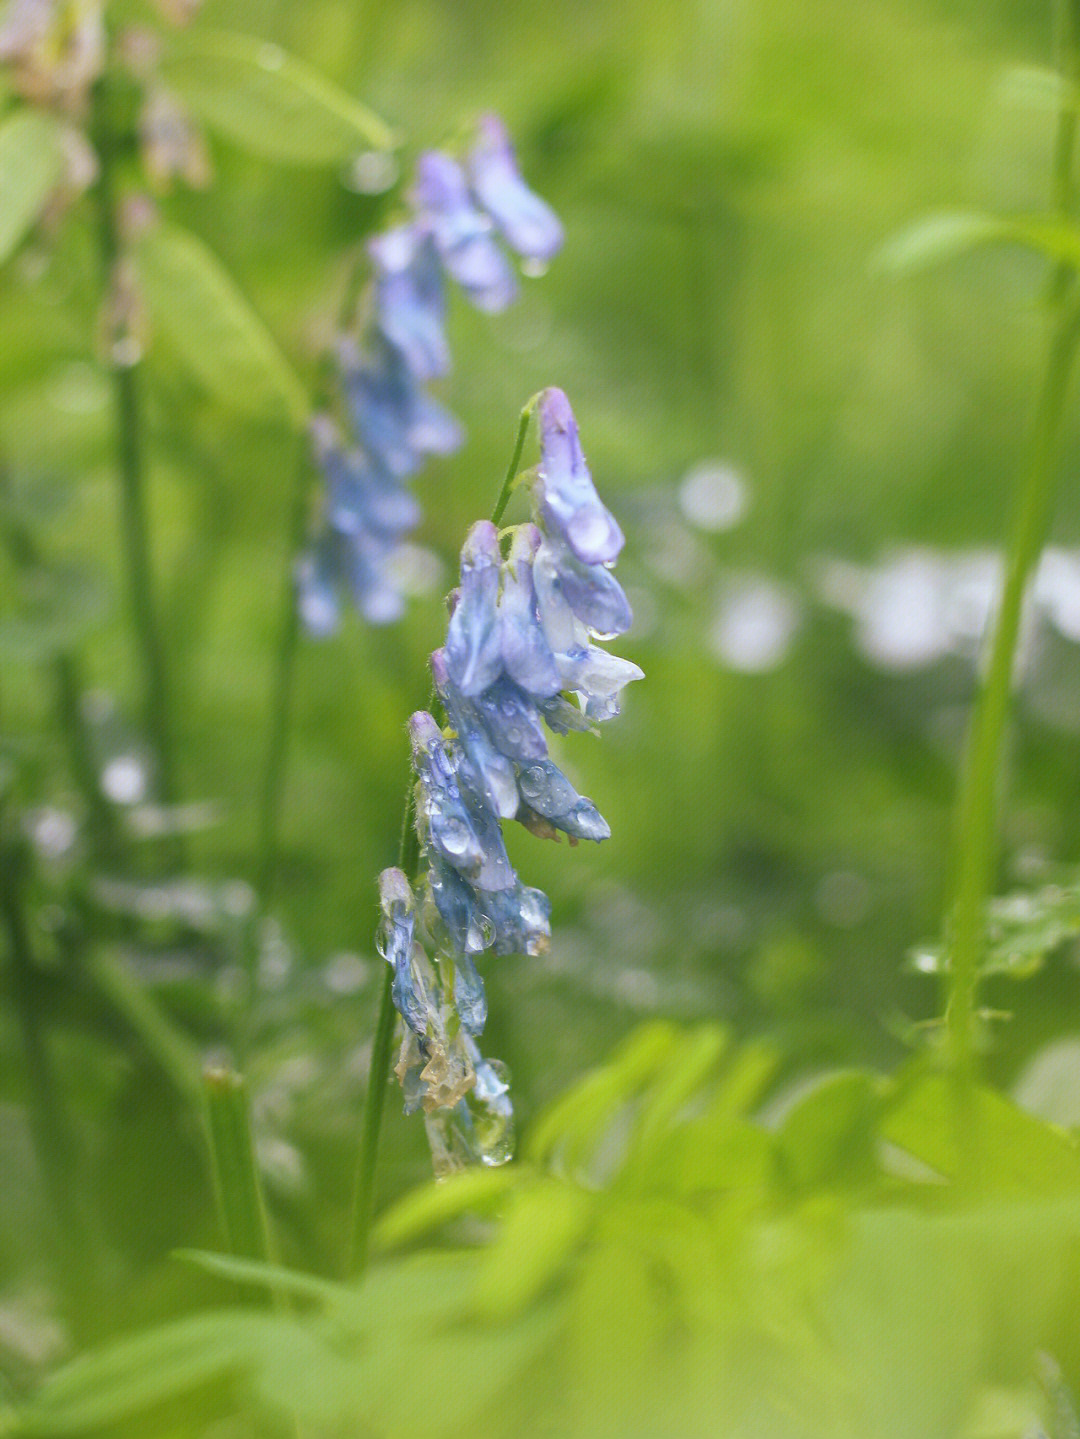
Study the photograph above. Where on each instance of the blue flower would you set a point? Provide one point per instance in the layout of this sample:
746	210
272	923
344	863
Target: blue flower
410	299
567	499
396	421
473	653
529	225
548	793
397	424
495	769
463	235
519	641
465	833
526	655
360	498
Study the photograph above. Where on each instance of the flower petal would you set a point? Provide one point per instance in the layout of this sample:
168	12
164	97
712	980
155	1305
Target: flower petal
529	224
566	496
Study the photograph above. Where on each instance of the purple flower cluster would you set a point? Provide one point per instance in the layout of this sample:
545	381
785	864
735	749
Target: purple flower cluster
519	652
460	214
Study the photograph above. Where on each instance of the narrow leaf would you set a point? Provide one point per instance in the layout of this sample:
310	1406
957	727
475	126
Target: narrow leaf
543	1227
210	324
110	1384
270	1276
579	1117
431	1205
236	1174
31	165
270	102
945	237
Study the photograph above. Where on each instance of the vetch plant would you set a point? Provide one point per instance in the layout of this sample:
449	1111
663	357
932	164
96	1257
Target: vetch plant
458	211
519	654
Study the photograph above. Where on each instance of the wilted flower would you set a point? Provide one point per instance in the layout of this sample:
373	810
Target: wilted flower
457	216
55	48
172	145
518	643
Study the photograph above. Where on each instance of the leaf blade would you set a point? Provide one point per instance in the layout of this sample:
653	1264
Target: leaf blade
270	102
196	304
31	165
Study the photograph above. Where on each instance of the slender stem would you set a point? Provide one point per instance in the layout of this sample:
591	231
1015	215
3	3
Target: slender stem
273	785
515	461
52	1141
978	797
977	806
131	469
237	1185
100	817
174	1054
408	861
68	688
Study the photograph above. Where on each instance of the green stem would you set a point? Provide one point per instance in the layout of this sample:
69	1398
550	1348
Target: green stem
131	470
174	1054
273	786
408	861
236	1174
977	809
52	1142
977	806
273	783
68	686
100	818
515	461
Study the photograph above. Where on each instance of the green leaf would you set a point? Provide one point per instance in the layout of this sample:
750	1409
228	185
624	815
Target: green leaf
237	1182
828	1136
578	1119
271	1276
434	1204
270	102
543	1226
31	165
1018	1154
945	237
212	327
108	1385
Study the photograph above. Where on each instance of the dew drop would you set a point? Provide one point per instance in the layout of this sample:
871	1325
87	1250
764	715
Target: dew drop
453	837
271	57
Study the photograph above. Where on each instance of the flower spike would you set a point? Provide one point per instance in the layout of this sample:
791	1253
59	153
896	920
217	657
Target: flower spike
518	640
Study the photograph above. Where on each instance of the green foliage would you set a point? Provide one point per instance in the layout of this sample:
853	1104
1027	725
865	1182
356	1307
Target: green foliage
830	1274
726	1229
268	101
211	327
31	165
947	237
1023	930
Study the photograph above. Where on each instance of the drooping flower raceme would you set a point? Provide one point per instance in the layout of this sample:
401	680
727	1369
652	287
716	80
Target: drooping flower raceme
460	214
519	656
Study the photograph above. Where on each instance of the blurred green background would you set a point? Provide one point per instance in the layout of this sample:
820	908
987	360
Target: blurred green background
773	419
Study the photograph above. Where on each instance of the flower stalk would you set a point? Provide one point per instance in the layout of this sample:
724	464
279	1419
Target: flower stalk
131	464
519	647
977	808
